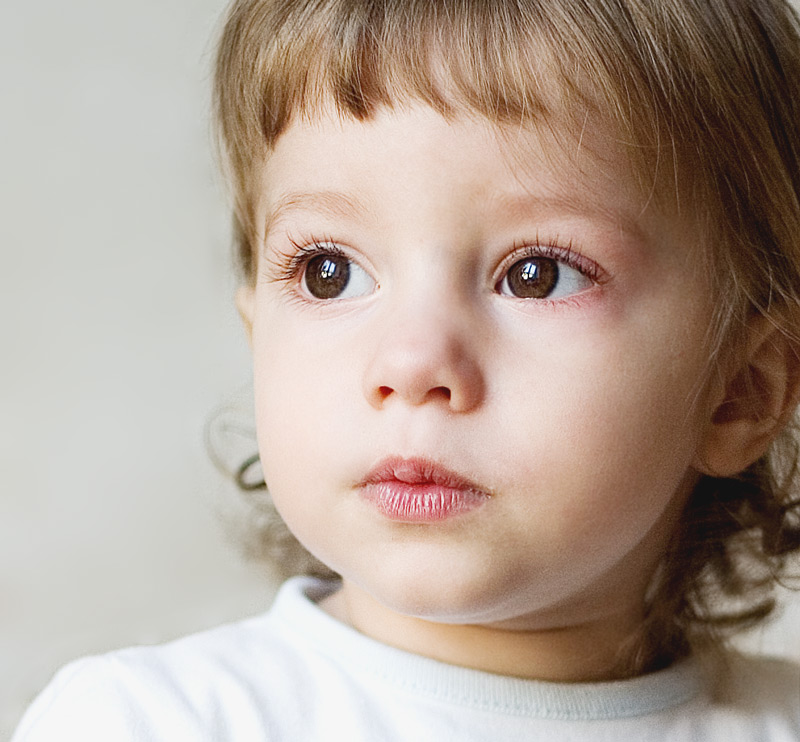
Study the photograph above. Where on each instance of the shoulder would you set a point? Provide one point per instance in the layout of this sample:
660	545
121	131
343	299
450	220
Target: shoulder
90	699
187	689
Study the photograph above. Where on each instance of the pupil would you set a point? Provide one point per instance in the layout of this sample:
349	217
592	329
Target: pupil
533	278
327	276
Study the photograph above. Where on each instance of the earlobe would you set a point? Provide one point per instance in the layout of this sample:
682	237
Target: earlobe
759	396
245	303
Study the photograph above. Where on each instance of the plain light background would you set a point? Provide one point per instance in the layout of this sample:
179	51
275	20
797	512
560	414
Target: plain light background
119	340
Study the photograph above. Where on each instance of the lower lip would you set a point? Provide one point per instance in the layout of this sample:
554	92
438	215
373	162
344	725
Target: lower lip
421	503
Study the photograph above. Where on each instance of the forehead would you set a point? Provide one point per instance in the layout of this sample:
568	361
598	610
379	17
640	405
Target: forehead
336	164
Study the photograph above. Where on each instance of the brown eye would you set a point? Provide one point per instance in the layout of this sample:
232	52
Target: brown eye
532	278
542	277
328	276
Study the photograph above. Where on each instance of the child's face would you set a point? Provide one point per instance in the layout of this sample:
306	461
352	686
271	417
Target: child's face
510	312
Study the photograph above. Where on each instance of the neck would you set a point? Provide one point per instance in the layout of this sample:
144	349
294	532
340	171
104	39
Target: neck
582	652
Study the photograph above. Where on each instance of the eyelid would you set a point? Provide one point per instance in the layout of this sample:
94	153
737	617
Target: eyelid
288	266
565	254
305	255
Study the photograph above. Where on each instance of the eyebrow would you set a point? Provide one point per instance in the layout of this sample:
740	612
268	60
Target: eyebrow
525	204
330	203
336	204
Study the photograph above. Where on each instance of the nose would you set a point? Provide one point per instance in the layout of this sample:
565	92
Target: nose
423	358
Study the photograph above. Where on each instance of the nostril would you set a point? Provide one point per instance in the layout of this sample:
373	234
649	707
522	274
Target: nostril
438	392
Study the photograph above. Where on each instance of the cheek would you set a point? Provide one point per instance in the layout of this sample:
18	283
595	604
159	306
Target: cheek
287	416
617	421
301	417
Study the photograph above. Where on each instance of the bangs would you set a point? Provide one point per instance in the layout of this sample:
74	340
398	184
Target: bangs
514	63
491	58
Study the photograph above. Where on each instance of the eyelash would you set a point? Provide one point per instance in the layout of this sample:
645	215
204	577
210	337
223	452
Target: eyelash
290	265
565	254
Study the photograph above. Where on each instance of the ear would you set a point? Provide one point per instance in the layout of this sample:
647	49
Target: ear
756	398
245	303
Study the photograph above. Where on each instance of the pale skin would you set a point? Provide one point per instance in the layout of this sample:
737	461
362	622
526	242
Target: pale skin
586	415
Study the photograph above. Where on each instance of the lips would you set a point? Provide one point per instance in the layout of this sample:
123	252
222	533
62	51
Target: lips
419	490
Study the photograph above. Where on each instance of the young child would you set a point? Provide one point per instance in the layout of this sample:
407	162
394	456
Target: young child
522	283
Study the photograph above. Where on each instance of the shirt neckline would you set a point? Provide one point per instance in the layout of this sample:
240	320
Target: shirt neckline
296	612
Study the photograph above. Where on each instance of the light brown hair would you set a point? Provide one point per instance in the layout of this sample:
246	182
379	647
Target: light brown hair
705	96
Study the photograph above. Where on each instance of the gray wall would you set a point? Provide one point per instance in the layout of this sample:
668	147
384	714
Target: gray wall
119	337
119	340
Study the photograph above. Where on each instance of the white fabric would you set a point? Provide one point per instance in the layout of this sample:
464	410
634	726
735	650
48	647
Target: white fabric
297	675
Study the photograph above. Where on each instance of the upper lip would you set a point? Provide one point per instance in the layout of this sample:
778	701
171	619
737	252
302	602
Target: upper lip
419	470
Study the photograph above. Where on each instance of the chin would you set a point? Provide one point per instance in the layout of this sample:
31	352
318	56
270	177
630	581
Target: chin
441	595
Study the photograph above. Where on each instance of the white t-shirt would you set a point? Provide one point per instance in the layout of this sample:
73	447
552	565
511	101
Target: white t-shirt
297	675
